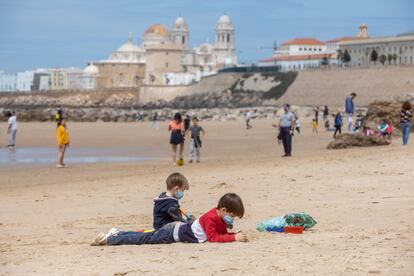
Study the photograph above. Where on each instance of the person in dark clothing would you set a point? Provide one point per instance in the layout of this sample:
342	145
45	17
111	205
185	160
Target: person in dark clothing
325	113
317	114
166	206
286	128
338	124
187	121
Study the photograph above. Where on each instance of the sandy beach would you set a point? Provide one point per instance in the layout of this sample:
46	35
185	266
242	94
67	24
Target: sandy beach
362	199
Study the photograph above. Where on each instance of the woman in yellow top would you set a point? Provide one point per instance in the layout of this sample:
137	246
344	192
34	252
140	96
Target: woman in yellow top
62	137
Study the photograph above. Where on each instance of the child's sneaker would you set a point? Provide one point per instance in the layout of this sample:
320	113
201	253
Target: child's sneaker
190	161
99	240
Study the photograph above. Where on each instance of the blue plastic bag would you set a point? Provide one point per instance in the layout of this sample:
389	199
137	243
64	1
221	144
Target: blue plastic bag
276	222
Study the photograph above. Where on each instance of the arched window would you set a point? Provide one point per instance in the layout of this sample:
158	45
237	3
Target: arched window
228	38
183	40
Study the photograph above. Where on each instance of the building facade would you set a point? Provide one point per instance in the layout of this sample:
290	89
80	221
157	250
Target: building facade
24	80
380	51
7	82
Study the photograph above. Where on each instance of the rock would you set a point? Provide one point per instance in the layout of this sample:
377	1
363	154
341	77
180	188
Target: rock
348	140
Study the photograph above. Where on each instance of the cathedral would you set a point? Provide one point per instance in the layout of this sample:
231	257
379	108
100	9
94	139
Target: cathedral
164	57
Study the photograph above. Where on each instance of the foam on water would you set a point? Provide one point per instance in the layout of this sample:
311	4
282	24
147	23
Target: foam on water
38	156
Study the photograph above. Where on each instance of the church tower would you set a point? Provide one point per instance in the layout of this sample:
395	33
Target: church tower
180	33
224	44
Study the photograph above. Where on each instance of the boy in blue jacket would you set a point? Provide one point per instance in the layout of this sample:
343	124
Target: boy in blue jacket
166	205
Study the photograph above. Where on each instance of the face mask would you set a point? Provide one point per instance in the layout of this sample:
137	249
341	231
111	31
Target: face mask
179	195
229	220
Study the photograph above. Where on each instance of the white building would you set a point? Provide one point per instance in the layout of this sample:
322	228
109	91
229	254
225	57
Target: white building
7	82
89	77
74	78
390	50
24	80
299	54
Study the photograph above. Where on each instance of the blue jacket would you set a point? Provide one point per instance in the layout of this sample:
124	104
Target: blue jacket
166	210
338	120
349	105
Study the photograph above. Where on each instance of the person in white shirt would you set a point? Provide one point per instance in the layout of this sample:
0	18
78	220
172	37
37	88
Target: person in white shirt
12	130
248	118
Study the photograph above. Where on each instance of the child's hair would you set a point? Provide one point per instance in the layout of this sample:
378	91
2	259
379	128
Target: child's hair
406	106
233	204
353	94
195	119
177	117
177	179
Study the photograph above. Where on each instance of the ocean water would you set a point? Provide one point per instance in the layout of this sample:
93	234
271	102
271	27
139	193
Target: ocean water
74	155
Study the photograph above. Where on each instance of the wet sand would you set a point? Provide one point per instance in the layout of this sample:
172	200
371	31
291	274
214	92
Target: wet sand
363	200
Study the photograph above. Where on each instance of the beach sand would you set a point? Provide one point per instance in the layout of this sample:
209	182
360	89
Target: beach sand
362	199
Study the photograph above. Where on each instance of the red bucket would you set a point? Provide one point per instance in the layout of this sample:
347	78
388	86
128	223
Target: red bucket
294	229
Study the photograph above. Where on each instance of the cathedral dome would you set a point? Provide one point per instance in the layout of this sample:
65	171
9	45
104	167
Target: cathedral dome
179	21
130	46
157	30
91	69
224	22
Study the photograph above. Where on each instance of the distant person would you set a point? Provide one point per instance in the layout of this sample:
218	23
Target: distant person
325	113
314	126
327	125
59	115
187	121
248	116
286	128
338	124
383	128
350	110
195	132
405	121
62	137
177	137
359	122
297	125
12	129
316	110
154	121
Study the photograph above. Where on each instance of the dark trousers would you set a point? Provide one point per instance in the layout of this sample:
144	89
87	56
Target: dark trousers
286	139
337	129
161	236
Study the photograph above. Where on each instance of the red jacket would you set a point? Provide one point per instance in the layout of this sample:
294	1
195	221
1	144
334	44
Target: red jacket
215	227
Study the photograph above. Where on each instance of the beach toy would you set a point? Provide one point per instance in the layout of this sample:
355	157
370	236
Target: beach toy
274	222
275	229
180	162
294	229
299	219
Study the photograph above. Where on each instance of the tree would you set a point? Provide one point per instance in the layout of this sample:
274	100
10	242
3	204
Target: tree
389	59
346	58
374	56
394	57
382	59
340	56
324	61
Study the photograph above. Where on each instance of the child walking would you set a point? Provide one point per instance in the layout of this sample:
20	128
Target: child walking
314	126
177	137
338	124
195	143
212	227
62	137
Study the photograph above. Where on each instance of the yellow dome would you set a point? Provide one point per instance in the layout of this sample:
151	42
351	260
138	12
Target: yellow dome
157	29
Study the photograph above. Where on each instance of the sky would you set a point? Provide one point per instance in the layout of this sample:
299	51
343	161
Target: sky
62	33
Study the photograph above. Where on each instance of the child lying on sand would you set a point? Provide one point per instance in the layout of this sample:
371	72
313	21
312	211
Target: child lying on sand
212	227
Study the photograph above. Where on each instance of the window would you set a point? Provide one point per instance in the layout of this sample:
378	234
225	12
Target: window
300	49
306	49
320	49
166	53
166	65
228	38
183	40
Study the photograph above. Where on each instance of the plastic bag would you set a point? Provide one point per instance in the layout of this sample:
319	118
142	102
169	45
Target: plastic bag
299	219
271	223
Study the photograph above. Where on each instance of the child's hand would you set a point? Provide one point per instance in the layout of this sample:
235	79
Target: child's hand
241	237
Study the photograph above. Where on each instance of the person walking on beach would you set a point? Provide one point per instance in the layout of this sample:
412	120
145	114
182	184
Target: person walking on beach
286	128
177	137
154	120
12	129
338	124
405	121
248	119
314	126
316	114
195	143
59	115
187	121
325	113
62	137
350	110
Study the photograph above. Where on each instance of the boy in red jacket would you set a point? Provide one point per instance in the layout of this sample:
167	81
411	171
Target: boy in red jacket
212	227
